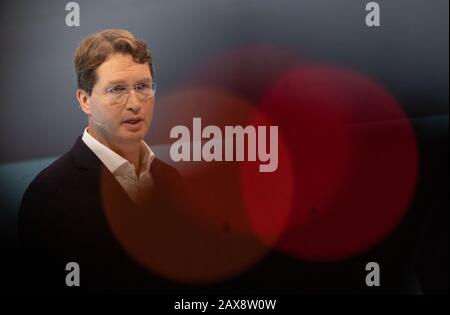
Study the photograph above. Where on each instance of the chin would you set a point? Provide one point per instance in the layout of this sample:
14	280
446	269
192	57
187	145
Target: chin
132	136
136	136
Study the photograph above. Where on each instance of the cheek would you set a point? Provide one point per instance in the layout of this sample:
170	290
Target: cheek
149	112
105	113
115	116
150	106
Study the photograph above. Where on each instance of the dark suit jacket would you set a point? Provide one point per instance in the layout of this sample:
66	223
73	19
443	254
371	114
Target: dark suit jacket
66	216
62	219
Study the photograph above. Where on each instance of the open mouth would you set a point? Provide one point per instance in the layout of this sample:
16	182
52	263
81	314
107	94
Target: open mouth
133	124
133	121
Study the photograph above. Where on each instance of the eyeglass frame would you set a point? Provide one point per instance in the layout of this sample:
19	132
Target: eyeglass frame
127	92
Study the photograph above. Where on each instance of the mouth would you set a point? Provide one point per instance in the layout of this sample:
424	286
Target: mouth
133	121
134	124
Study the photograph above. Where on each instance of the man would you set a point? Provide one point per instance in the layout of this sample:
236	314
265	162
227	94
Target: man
65	211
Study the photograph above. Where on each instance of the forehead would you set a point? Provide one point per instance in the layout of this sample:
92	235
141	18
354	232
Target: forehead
119	67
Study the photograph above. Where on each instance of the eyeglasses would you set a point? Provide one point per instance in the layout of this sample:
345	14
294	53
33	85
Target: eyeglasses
119	94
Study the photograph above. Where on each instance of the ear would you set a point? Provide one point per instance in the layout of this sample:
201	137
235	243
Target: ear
83	100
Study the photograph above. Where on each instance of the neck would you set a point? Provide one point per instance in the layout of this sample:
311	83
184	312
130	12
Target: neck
130	151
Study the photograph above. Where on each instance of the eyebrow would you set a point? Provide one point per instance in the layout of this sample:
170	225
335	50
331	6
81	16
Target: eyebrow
149	80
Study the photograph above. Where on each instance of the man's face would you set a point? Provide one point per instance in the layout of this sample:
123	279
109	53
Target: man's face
110	118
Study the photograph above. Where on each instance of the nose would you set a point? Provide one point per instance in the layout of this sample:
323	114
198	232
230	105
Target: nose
133	103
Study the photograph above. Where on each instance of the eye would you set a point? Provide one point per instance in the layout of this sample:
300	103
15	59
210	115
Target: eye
142	86
119	89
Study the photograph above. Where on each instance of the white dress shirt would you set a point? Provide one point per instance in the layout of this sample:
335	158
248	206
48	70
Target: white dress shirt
122	169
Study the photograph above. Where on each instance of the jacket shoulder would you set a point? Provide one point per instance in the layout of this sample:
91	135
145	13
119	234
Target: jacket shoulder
166	177
46	188
55	172
164	170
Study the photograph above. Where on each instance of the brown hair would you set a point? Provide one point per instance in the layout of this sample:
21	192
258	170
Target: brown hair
95	48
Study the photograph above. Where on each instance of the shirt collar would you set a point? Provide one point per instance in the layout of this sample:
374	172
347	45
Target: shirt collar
111	159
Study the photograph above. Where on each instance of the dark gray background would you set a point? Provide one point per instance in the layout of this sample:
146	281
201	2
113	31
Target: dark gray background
408	53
